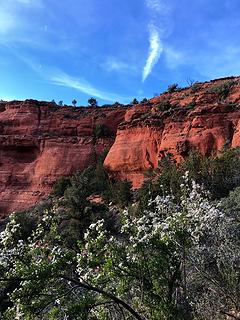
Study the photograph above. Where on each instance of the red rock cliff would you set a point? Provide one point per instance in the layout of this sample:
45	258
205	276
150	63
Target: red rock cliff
40	142
204	117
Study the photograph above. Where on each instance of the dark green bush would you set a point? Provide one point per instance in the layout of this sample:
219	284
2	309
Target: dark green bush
173	88
191	106
92	102
164	105
120	193
135	101
29	219
60	186
101	131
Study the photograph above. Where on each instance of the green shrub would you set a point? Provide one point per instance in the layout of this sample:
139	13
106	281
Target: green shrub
195	87
173	88
101	131
191	106
60	186
81	187
119	193
164	105
223	89
219	175
135	101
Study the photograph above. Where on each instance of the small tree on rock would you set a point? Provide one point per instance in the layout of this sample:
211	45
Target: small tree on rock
135	101
74	102
92	102
173	88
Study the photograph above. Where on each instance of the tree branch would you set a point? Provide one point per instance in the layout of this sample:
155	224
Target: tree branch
106	294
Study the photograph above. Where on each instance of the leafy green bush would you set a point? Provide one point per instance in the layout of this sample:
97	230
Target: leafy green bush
219	175
92	102
178	260
60	186
121	193
101	131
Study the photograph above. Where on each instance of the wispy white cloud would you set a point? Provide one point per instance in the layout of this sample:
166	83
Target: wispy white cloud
114	65
155	51
35	3
160	27
157	6
174	58
62	79
14	17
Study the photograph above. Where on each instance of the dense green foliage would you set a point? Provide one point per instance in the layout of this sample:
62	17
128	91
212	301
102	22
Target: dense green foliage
60	186
219	175
92	102
168	251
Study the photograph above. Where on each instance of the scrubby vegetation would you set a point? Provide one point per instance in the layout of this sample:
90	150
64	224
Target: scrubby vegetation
170	250
223	89
164	105
173	88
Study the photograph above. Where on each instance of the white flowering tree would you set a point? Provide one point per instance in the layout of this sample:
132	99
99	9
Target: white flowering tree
164	264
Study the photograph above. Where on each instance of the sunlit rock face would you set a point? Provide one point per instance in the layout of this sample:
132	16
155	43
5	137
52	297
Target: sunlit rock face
40	142
196	118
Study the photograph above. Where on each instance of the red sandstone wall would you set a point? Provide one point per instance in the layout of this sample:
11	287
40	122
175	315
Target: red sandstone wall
148	133
40	142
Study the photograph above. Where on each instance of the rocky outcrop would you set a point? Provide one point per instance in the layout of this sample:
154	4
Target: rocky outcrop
204	117
40	142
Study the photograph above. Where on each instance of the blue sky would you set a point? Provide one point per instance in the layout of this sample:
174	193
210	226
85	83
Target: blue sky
114	50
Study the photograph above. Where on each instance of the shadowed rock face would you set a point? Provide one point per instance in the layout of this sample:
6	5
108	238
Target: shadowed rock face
40	142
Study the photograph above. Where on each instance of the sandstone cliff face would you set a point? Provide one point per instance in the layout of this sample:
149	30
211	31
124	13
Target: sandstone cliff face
205	117
40	142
